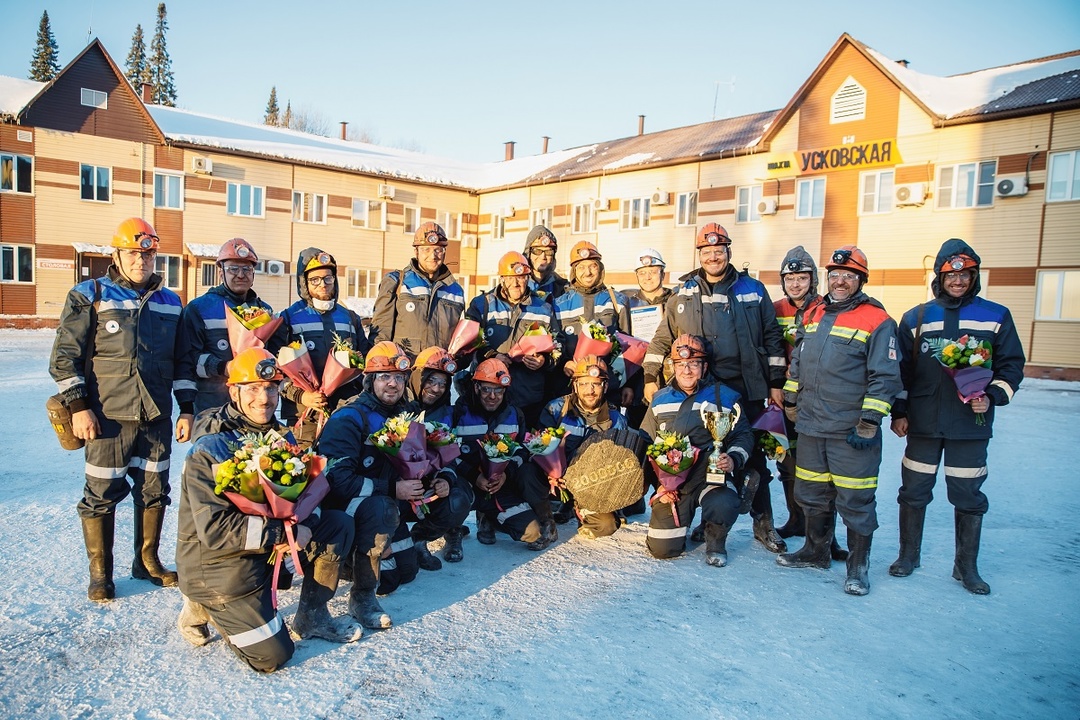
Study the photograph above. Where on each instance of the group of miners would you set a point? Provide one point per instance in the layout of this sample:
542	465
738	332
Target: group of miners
834	362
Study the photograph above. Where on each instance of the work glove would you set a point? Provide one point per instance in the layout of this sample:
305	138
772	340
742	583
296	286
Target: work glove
998	397
863	435
791	412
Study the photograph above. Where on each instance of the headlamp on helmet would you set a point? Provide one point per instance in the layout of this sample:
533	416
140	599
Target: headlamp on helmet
957	263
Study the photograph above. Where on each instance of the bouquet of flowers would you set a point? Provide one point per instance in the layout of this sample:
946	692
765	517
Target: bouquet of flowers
536	340
627	355
270	477
789	333
249	326
465	338
671	456
773	437
967	361
593	340
295	363
403	441
549	454
443	446
343	365
496	450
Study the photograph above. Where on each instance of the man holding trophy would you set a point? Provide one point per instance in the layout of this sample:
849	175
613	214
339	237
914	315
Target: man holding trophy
708	414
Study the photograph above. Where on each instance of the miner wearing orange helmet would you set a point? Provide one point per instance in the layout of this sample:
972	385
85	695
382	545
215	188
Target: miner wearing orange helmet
506	314
113	362
222	553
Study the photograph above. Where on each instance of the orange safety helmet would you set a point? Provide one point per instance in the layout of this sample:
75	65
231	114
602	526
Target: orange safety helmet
386	357
957	263
429	234
136	234
688	347
584	250
514	264
435	358
590	366
251	366
238	250
712	234
849	257
494	371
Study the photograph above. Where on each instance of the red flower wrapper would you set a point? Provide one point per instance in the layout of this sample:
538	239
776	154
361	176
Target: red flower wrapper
465	338
530	345
335	375
590	346
294	362
244	334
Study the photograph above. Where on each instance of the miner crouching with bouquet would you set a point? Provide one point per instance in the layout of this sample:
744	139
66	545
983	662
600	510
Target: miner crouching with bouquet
223	553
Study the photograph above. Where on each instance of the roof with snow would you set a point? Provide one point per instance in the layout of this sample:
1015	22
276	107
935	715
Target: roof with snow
15	93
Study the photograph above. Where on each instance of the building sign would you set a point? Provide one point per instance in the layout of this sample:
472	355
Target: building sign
856	156
54	264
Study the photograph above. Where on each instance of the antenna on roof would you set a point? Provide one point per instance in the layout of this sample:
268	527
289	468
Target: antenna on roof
90	25
716	95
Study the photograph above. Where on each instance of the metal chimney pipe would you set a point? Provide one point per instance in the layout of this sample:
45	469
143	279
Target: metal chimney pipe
344	134
546	138
640	124
510	150
147	93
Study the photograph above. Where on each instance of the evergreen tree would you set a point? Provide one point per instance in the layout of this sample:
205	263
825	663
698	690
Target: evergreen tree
138	69
273	113
161	74
45	66
286	119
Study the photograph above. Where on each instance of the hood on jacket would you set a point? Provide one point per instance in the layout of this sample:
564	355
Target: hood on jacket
951	248
302	260
416	382
804	260
534	237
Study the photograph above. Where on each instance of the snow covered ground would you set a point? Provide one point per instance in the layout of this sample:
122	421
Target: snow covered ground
585	629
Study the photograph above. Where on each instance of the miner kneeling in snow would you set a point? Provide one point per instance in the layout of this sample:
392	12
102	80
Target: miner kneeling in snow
222	554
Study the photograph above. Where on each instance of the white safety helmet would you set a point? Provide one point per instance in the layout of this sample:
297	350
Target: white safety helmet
650	257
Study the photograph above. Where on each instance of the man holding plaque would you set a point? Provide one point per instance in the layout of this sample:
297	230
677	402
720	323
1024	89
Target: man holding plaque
843	378
709	415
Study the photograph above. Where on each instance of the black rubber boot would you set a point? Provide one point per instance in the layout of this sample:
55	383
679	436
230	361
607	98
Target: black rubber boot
749	490
565	513
452	551
98	536
549	532
965	568
815	551
796	521
698	534
485	529
193	623
146	565
716	544
765	533
312	617
858	563
362	602
424	558
837	553
911	531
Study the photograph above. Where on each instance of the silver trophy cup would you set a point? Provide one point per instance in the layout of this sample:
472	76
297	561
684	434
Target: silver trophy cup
719	423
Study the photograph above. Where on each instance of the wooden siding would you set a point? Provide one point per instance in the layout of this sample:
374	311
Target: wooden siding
1066	134
17	218
18	298
167	157
1061	239
1055	343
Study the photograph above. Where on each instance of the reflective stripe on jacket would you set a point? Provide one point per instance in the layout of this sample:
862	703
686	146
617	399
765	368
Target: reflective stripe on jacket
419	313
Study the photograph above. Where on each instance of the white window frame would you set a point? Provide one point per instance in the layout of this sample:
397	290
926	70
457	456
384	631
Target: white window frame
9	263
372	278
747	198
878	189
1067	166
498	226
94	98
451	224
96	170
542	216
848	103
256	195
410	227
14	177
584	219
364	209
810	198
173	281
686	204
1059	279
947	194
635	213
168	179
308	207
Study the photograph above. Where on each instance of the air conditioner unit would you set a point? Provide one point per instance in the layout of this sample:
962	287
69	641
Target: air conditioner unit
767	206
601	204
386	192
275	267
1011	186
661	198
910	194
202	166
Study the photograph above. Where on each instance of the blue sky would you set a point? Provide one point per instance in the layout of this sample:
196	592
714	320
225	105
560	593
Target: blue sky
459	79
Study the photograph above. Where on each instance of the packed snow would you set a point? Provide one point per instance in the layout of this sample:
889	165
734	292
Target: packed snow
593	629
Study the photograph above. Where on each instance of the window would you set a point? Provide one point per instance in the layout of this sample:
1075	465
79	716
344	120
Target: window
686	209
16	263
94	183
451	224
635	213
1063	180
368	214
168	267
363	282
1058	295
810	199
169	191
498	227
747	199
209	274
244	200
876	192
584	219
849	102
412	220
966	185
94	98
542	216
308	207
16	173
